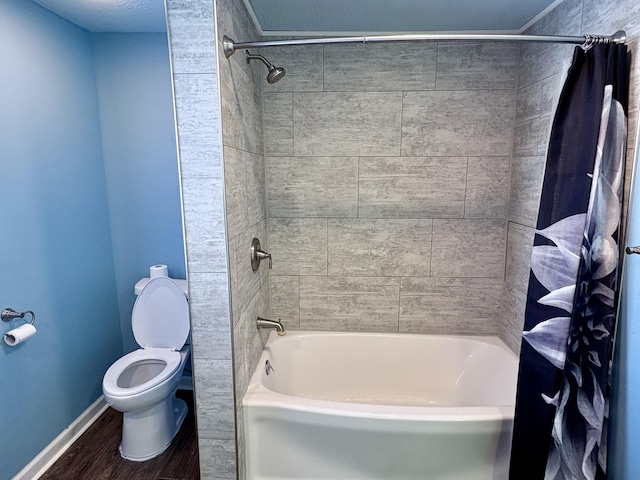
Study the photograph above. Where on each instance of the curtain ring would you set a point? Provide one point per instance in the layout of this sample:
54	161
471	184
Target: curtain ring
589	41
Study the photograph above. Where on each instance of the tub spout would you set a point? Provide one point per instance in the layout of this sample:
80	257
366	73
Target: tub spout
266	323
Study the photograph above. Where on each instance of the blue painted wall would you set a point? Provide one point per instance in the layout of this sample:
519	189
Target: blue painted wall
141	166
55	244
90	199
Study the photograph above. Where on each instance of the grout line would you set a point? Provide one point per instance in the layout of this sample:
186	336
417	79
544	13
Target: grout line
326	223
293	135
399	295
435	78
466	187
401	121
358	189
431	251
299	303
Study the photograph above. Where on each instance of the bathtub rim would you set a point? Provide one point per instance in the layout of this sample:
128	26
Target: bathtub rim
258	395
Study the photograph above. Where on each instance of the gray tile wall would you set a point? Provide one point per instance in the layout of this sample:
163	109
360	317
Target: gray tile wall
540	78
241	93
219	116
193	56
410	173
388	169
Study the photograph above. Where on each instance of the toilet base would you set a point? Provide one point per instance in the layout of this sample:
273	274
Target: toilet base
148	433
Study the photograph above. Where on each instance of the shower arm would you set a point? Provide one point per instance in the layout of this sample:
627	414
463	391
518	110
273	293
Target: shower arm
229	46
255	56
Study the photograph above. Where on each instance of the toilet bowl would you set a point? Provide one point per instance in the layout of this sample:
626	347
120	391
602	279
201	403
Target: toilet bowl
143	383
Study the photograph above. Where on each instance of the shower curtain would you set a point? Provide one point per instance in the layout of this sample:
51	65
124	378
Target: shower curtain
560	427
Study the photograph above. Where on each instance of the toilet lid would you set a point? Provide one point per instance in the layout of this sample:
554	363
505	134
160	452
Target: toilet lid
160	317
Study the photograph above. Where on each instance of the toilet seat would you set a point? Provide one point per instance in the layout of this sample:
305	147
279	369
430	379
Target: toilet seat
160	317
110	381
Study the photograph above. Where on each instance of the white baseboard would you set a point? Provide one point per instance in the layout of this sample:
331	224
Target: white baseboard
47	457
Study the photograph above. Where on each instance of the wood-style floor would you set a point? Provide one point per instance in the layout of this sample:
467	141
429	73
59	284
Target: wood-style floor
95	454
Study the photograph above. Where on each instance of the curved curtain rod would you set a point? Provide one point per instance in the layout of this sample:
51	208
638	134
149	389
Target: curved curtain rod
229	46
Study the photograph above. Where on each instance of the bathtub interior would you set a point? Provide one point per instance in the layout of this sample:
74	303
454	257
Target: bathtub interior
397	369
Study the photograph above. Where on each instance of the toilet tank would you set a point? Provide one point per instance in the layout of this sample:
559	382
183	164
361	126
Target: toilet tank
143	282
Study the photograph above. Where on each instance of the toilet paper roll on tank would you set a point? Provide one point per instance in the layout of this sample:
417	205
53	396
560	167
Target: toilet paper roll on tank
156	271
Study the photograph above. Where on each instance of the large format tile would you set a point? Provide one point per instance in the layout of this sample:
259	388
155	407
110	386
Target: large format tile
209	311
204	224
235	22
278	124
526	185
241	109
285	300
450	305
513	308
447	123
604	18
217	458
540	60
412	187
384	67
298	246
244	190
379	247
191	27
349	303
313	186
246	339
479	65
326	124
551	88
468	248
527	120
199	123
303	66
248	282
214	385
256	188
528	102
487	194
518	262
526	137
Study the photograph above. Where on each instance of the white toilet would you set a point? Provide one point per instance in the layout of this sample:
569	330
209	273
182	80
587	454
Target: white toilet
143	383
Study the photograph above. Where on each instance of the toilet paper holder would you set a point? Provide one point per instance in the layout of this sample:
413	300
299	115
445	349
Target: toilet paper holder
9	314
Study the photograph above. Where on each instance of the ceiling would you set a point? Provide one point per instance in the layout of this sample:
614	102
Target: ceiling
121	16
320	17
278	17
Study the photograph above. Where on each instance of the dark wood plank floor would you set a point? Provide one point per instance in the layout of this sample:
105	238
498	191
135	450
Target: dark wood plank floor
95	454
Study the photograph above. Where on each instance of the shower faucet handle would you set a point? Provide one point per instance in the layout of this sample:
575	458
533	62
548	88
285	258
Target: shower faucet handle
257	255
264	255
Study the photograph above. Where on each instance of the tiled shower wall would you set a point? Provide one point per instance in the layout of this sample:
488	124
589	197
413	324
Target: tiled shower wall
191	25
388	171
391	195
246	214
540	78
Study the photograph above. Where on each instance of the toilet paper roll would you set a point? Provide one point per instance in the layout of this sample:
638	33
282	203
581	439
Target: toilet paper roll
158	271
19	335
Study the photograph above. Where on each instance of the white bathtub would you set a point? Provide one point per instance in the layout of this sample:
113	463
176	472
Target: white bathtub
380	406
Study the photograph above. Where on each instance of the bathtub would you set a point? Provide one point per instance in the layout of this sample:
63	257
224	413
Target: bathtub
380	406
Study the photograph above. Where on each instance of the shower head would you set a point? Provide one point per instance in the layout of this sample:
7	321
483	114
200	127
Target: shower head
275	73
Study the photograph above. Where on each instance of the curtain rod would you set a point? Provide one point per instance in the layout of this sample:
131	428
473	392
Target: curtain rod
229	46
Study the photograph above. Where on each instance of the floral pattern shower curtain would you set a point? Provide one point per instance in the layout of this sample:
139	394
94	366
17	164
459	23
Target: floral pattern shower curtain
560	427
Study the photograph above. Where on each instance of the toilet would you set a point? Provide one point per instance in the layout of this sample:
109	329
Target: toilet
143	383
